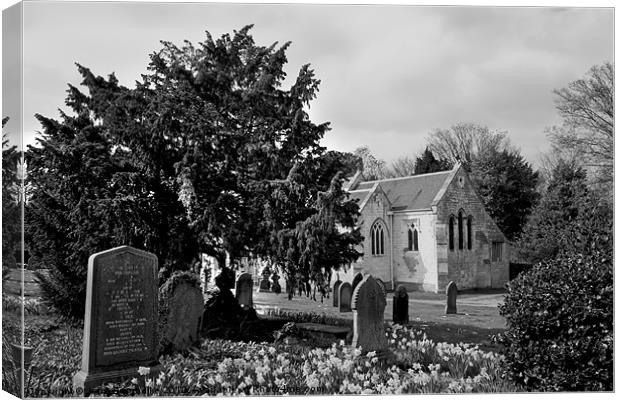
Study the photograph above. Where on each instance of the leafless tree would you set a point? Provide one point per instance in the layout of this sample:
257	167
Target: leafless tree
587	108
463	142
402	166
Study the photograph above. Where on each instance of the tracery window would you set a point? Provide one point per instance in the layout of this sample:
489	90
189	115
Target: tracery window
412	239
461	238
377	241
451	233
469	236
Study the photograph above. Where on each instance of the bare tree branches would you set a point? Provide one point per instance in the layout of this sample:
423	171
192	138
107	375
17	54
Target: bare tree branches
587	107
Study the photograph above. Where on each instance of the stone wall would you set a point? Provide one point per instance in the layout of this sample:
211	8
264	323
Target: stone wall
416	270
468	268
376	208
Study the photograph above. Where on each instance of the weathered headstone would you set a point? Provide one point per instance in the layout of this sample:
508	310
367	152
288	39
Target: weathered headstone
400	306
344	300
121	318
382	286
243	292
182	306
451	292
337	292
356	280
368	306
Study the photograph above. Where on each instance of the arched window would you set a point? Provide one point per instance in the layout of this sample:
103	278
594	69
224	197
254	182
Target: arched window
469	237
461	230
412	238
376	239
451	233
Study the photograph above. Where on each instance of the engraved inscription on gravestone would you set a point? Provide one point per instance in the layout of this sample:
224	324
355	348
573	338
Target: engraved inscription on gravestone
120	322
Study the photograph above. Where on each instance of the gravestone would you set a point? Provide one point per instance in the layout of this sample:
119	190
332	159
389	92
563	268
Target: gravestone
382	286
356	280
344	300
451	292
120	319
368	306
182	304
265	285
243	292
400	305
337	292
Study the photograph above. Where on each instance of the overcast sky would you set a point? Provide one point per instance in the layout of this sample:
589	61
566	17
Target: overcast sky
389	74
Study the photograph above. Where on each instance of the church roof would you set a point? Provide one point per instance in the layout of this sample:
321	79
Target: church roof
416	192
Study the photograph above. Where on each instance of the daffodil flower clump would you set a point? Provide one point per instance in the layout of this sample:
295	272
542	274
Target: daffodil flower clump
416	365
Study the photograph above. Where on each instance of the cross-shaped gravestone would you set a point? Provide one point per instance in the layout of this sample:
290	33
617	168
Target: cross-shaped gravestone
337	292
243	291
451	292
344	300
120	319
368	306
400	307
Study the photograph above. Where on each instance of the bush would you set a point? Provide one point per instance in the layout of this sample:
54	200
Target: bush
559	319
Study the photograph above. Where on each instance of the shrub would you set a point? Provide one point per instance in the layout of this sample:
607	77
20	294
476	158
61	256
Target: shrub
559	319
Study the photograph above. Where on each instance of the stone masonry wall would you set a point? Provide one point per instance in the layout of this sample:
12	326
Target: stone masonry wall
468	268
416	270
377	265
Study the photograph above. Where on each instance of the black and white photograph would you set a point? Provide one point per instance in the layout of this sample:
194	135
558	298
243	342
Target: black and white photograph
307	199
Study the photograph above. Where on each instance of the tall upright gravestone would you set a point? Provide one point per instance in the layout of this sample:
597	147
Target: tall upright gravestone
243	291
120	321
368	306
337	292
344	300
451	292
400	306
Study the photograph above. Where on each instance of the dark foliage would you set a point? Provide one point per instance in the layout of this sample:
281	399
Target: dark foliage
427	163
559	315
183	163
569	218
11	214
507	185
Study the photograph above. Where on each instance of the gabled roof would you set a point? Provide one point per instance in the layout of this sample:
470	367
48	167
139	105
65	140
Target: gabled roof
416	192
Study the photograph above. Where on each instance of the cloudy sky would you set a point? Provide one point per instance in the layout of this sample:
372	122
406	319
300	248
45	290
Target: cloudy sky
389	74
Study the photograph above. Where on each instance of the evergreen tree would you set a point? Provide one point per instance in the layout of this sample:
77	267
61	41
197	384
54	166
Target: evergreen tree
11	215
427	163
507	185
183	163
569	219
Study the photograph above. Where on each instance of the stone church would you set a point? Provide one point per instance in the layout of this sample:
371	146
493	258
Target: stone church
424	231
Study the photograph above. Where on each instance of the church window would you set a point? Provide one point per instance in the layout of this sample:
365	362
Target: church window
461	230
496	251
451	232
469	228
412	236
377	242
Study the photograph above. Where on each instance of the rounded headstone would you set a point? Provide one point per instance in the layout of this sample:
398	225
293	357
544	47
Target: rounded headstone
451	293
344	300
337	292
184	317
400	305
356	280
243	290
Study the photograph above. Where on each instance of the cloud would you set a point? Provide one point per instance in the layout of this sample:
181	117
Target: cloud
390	74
